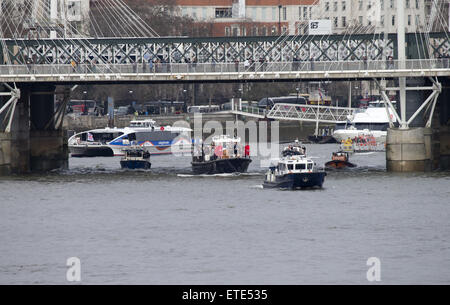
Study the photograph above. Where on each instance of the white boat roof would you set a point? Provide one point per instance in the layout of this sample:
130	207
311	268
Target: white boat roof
225	139
373	115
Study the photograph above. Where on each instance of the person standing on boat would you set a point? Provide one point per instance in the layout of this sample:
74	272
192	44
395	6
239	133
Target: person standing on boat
247	151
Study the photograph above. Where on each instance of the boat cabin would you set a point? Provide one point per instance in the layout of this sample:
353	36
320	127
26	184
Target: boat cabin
143	124
293	165
340	156
136	154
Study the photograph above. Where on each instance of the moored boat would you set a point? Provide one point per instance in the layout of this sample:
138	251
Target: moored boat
223	155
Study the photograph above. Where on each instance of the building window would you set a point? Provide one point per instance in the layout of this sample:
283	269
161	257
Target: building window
227	31
335	21
284	13
264	31
226	12
235	31
360	5
344	6
392	4
255	31
408	3
382	5
305	13
74	10
254	13
274	13
360	20
409	20
327	6
382	20
417	20
204	13
417	4
393	19
184	11
263	13
194	12
344	22
369	5
335	6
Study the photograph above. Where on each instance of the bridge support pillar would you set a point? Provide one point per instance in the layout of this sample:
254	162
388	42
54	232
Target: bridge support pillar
15	144
33	144
48	147
409	150
444	129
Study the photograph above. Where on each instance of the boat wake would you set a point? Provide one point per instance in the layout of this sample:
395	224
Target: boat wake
223	175
365	153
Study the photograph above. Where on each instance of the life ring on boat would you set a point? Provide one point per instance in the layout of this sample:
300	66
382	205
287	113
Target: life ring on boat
305	179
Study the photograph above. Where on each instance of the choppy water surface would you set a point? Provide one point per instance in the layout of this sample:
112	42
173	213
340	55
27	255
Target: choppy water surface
166	226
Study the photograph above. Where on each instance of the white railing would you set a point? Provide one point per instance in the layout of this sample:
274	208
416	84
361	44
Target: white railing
221	68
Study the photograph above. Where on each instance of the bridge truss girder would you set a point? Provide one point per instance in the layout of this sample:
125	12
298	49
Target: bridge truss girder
229	49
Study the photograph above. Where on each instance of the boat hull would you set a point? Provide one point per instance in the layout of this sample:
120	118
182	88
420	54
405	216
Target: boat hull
135	164
339	165
297	181
222	166
344	134
90	151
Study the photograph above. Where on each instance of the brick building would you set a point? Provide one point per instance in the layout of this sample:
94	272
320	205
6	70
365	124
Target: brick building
248	17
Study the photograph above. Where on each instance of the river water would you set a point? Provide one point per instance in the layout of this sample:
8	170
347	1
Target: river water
166	226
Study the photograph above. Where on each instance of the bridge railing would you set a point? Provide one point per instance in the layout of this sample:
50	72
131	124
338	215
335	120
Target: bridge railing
252	110
222	68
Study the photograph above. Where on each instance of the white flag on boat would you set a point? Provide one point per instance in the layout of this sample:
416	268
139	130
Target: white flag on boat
90	137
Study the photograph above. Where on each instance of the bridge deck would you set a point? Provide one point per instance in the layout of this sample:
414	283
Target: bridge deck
225	72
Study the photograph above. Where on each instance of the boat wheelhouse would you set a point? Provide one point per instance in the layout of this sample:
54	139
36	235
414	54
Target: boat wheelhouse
135	158
339	160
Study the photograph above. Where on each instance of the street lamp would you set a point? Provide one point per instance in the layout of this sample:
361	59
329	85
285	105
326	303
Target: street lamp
85	110
184	100
279	19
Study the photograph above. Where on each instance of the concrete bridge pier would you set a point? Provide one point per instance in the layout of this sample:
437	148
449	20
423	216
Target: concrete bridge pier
412	149
444	128
409	150
33	143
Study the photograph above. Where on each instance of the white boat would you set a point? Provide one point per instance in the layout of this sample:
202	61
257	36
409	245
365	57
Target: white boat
372	121
146	133
157	140
94	143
